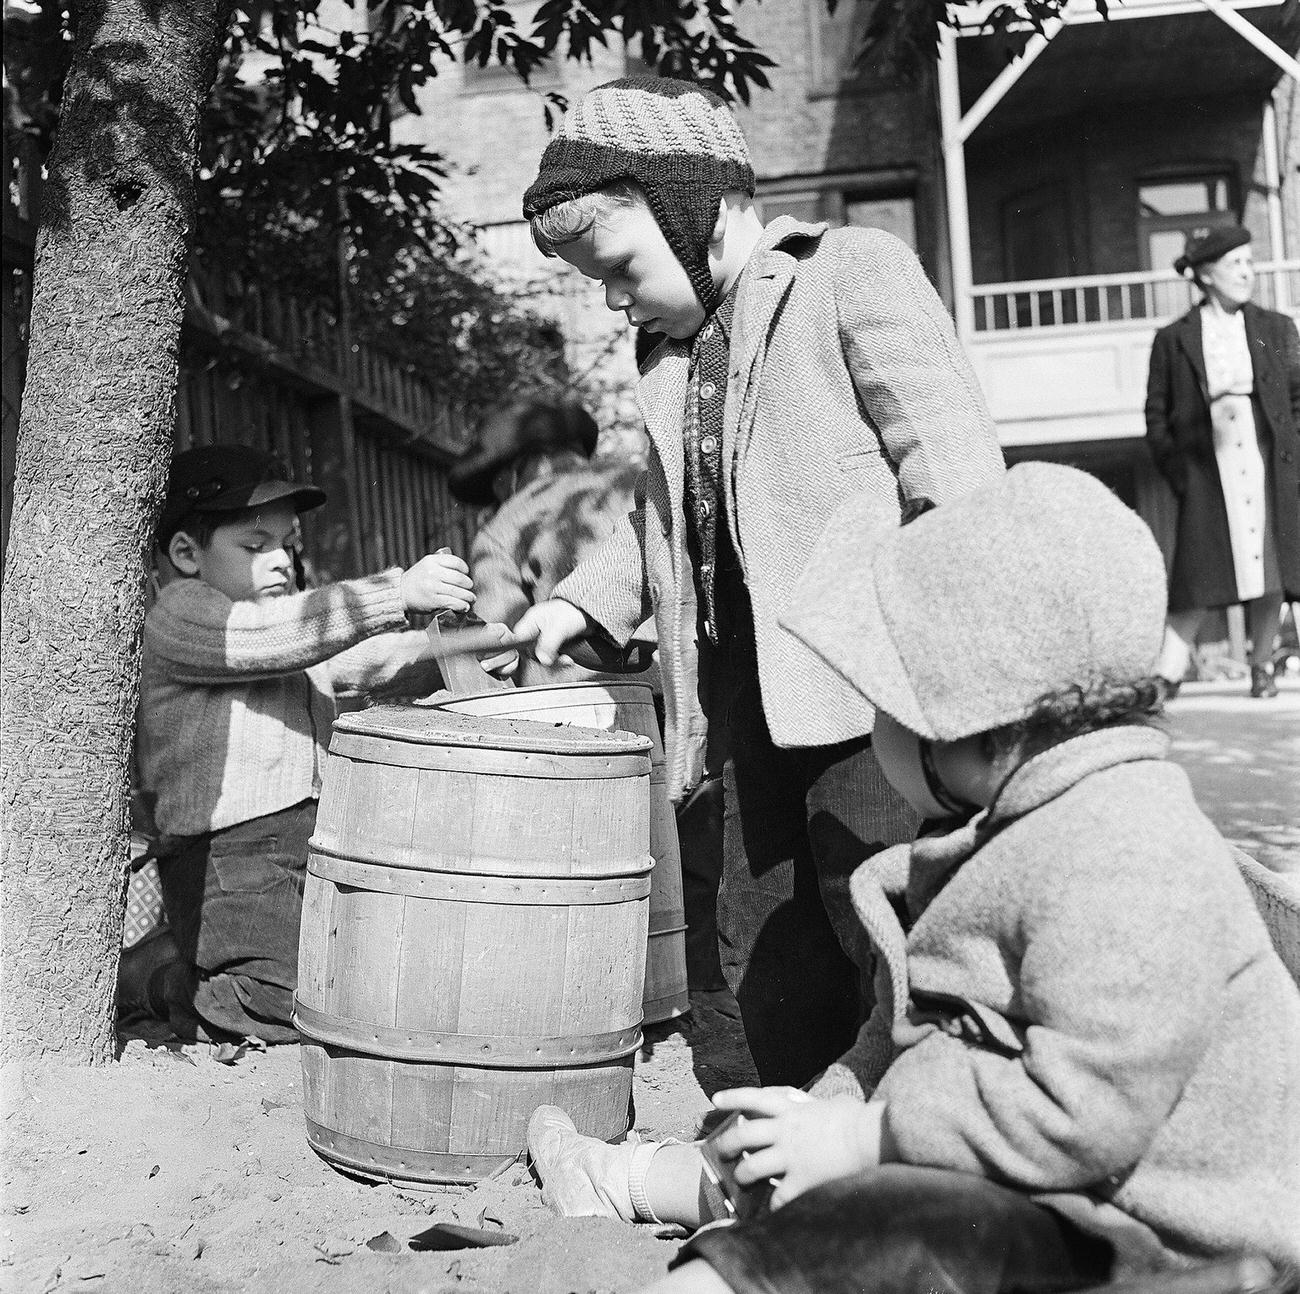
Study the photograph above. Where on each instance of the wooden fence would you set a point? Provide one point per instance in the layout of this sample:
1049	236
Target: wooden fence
273	371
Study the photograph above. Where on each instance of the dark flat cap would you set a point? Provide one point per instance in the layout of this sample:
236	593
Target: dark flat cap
228	477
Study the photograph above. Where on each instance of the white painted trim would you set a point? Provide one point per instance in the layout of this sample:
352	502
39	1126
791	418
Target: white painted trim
954	175
1273	179
971	17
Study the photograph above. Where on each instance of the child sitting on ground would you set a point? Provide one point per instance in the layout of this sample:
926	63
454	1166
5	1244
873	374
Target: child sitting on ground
1084	1061
237	697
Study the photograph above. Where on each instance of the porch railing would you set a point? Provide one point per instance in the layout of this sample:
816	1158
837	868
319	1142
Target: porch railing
1145	296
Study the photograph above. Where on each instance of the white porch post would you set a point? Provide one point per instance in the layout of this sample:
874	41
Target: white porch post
954	175
1273	179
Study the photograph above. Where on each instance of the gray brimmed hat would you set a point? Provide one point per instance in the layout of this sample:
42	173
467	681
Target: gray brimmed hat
960	621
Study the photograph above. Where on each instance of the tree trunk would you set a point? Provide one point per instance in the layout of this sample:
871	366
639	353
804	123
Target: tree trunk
93	446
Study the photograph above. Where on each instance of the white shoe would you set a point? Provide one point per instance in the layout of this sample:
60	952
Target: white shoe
581	1176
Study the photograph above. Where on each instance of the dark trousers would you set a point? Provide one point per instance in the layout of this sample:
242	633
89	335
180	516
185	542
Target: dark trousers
234	904
699	833
900	1229
798	822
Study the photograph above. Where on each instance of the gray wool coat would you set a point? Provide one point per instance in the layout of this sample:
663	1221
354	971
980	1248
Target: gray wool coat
1086	1006
845	378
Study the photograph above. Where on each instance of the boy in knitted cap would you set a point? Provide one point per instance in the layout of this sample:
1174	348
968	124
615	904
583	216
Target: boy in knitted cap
797	367
1084	1060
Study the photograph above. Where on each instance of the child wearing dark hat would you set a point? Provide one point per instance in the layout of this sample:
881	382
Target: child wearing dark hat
1084	1059
796	367
237	697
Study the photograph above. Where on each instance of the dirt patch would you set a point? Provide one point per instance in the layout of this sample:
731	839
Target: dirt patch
171	1170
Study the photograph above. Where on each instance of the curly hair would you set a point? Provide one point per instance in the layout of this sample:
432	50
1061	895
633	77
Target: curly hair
1080	708
568	221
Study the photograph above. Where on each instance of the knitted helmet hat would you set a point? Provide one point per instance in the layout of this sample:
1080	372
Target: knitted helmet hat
962	620
677	140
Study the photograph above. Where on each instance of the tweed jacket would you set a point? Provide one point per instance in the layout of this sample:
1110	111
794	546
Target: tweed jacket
1181	440
1087	1007
845	378
237	698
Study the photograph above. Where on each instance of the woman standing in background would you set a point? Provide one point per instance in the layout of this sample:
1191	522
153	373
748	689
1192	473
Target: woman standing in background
1223	425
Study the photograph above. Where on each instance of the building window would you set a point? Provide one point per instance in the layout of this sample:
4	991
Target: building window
878	202
1171	207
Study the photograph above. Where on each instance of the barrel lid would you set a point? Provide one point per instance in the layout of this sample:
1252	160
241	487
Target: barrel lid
577	692
428	726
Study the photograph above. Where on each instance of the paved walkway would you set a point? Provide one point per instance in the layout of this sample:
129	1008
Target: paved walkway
1243	757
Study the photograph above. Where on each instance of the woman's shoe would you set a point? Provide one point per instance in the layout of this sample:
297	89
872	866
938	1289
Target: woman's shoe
1261	681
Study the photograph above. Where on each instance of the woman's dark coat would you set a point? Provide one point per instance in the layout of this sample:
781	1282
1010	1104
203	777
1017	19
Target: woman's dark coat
1181	441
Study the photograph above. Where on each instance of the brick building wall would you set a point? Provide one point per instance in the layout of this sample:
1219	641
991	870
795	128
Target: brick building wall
837	142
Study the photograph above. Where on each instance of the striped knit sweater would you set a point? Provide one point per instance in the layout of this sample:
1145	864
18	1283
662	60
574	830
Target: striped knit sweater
237	698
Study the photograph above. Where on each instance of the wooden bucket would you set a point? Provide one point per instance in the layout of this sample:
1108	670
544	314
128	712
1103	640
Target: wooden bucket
627	707
473	939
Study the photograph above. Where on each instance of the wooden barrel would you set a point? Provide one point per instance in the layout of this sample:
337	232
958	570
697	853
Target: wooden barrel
628	707
473	939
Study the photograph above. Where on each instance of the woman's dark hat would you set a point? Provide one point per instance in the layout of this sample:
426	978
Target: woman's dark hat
228	478
1206	245
516	429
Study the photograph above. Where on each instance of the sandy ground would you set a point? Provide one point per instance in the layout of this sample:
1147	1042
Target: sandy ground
173	1171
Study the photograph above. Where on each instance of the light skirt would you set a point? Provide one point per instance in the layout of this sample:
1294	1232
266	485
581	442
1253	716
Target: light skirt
1244	480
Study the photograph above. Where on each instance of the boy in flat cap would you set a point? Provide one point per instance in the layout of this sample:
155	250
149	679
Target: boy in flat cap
236	701
1084	1060
798	366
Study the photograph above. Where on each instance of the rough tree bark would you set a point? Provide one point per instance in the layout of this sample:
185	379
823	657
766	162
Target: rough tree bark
93	447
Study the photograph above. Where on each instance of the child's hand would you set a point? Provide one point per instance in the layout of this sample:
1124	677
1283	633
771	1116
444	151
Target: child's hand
502	664
797	1140
552	625
439	582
